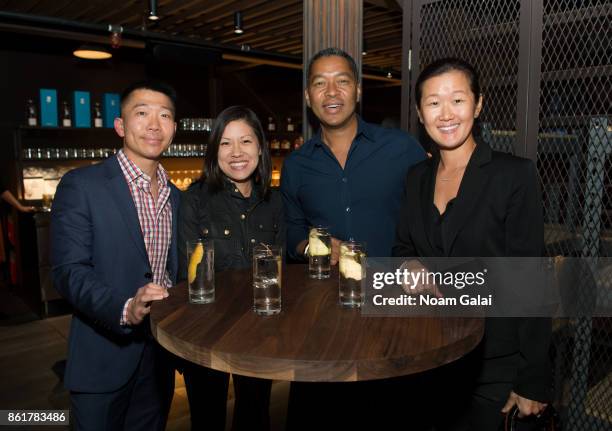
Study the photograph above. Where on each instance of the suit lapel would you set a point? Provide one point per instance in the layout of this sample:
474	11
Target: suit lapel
426	193
173	252
472	186
125	204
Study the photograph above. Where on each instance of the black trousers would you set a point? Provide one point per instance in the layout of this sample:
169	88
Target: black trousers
143	403
460	402
207	393
388	404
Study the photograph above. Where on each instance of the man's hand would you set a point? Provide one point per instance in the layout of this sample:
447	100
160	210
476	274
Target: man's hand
139	306
421	286
525	406
335	251
26	209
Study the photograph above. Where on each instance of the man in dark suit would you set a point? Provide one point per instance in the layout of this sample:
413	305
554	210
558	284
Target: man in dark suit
113	239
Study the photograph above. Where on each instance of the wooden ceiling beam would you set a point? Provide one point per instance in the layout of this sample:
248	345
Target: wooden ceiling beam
79	12
387	4
293	26
383	32
376	22
44	8
261	38
222	15
297	51
18	6
381	42
289	44
119	15
250	18
375	46
384	63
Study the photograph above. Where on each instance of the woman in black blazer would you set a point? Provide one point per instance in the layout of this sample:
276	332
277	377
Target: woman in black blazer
465	201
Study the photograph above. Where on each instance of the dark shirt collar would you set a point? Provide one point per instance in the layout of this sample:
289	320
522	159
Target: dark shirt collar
363	129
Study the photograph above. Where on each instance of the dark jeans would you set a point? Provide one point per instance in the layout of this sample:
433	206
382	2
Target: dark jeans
143	403
207	393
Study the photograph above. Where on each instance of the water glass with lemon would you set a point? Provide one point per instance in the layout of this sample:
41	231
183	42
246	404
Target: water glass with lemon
201	271
319	252
352	273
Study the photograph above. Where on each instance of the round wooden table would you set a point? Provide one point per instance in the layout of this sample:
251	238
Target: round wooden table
312	339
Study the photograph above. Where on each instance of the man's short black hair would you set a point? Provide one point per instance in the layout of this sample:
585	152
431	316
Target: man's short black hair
333	52
157	86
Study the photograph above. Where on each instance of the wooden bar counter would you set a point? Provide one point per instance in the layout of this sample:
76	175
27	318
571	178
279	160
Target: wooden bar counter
312	339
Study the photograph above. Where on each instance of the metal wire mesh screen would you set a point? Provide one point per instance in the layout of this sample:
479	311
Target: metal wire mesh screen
574	161
486	34
574	156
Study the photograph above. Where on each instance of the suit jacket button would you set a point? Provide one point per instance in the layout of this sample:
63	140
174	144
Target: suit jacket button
148	275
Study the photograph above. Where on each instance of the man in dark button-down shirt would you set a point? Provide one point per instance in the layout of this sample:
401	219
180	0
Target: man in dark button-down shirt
350	175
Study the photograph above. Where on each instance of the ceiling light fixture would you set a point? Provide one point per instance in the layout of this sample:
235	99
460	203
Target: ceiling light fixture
238	23
364	48
153	10
115	38
389	75
90	52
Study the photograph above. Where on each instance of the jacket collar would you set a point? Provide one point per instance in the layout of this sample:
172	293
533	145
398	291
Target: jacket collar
470	191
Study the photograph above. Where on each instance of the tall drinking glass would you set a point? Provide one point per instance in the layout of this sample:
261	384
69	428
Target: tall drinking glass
319	252
267	279
352	273
201	271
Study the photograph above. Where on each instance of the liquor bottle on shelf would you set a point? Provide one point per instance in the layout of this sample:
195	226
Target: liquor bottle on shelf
285	147
275	179
290	125
271	125
97	115
66	116
31	116
275	147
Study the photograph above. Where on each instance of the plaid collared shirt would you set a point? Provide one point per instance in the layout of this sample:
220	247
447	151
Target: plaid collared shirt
155	218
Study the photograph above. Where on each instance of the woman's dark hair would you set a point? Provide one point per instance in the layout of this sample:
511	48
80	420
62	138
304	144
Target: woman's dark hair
442	66
213	176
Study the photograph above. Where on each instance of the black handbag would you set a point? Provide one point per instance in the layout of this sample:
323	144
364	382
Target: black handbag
548	420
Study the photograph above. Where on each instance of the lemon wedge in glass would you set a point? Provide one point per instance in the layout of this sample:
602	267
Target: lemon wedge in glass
316	247
350	268
194	261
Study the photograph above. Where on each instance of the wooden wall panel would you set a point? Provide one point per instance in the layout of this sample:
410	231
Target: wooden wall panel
331	23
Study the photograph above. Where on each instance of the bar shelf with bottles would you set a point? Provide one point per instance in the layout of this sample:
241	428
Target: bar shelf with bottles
282	138
41	155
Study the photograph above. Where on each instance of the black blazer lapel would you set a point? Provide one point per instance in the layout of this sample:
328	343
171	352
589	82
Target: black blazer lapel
125	204
426	193
472	186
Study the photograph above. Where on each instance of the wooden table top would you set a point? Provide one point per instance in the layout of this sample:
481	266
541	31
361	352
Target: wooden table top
312	339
